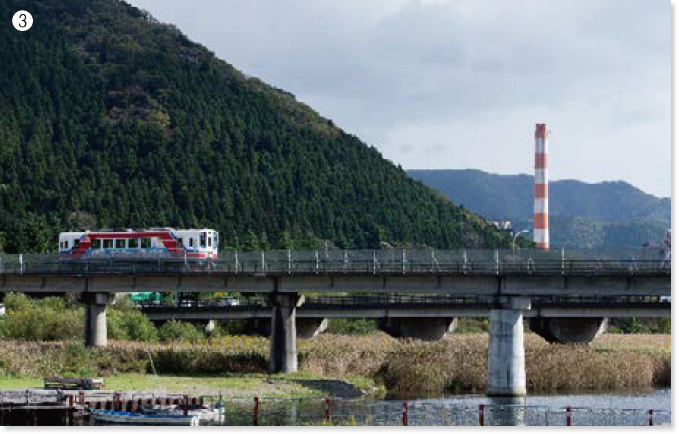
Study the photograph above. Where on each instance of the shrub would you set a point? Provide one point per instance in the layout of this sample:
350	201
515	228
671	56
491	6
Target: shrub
129	324
115	325
664	325
176	331
140	328
231	327
46	319
344	326
78	360
472	325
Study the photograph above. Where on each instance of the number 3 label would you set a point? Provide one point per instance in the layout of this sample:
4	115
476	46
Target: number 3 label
22	21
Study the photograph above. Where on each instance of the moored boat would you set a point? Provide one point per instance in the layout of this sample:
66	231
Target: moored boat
113	417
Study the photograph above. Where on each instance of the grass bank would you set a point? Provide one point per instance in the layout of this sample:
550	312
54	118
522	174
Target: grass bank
229	386
406	368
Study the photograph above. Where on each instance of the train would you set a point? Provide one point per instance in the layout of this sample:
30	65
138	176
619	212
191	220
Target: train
186	243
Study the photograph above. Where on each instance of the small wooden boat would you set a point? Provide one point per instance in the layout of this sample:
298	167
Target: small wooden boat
112	417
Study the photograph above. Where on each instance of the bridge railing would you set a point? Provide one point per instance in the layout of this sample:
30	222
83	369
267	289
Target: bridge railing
351	261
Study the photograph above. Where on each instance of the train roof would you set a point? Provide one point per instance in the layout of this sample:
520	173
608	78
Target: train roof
132	230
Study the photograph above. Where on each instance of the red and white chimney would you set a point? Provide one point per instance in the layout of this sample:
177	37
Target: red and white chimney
541	202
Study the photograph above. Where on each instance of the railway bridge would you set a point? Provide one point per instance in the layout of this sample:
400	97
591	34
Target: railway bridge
568	296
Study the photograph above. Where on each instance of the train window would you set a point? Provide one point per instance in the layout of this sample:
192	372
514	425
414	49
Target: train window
108	244
76	243
145	243
216	240
209	241
120	244
203	237
190	242
133	243
96	244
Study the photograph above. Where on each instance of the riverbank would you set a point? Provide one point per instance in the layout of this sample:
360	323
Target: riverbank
403	368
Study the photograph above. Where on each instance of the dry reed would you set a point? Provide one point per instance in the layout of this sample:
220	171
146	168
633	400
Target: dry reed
408	368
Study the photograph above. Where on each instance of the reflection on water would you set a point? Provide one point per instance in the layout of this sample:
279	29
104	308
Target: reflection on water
659	399
507	411
586	409
601	409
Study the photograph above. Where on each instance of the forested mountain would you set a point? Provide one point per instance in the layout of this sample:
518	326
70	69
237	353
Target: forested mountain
607	214
111	119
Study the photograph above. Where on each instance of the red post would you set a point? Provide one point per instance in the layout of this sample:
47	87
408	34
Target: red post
568	416
71	410
650	417
327	409
405	413
255	413
481	414
186	405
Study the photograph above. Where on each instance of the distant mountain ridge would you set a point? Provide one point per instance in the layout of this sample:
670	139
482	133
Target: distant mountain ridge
608	214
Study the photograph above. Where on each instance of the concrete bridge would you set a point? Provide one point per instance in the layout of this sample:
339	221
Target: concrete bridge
515	283
406	306
579	319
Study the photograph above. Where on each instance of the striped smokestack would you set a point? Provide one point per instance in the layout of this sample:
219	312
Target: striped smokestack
541	203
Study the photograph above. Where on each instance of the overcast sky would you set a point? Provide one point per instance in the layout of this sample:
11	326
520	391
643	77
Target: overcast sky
438	84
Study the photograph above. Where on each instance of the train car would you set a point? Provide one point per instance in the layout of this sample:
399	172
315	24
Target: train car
189	243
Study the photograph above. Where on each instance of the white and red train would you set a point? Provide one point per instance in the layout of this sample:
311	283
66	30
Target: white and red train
190	243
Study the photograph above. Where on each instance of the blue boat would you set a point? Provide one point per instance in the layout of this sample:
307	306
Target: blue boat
112	417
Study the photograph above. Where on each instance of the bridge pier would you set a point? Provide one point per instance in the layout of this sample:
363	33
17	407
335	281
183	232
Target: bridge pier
506	356
283	353
95	318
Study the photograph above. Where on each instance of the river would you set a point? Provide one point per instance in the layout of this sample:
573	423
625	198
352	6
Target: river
610	409
614	409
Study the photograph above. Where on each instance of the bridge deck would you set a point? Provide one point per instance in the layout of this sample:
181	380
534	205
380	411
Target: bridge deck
496	272
376	262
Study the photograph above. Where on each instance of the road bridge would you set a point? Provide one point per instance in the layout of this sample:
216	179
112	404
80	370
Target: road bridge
510	279
406	306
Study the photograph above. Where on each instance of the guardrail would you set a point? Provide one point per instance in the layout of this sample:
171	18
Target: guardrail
277	262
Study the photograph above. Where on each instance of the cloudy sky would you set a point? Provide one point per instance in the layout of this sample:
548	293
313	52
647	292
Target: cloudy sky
438	84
